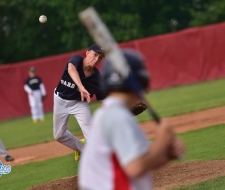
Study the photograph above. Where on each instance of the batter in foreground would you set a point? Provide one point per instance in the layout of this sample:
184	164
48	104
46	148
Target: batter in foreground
118	155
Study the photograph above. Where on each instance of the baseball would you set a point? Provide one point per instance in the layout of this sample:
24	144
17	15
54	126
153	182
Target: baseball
42	19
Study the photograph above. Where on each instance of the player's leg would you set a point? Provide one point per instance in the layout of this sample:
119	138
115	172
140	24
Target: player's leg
60	124
83	115
3	151
39	105
32	102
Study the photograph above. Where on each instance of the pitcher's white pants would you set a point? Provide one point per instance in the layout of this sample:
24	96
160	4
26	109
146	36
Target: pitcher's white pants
36	105
62	110
3	151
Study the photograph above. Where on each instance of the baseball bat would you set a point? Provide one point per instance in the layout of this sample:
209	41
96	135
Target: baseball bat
103	37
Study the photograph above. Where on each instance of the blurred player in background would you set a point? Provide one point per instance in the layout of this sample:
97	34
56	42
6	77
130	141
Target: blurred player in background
36	95
79	82
4	153
118	155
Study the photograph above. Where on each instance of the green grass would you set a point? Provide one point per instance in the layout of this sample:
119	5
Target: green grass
22	132
178	100
212	184
203	144
186	99
34	173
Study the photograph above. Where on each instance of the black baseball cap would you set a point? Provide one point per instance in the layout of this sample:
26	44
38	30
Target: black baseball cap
96	48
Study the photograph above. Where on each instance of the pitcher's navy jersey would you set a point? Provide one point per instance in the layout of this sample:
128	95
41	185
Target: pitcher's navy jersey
67	88
34	83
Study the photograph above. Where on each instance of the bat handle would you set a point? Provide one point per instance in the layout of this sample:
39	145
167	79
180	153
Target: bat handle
150	109
153	113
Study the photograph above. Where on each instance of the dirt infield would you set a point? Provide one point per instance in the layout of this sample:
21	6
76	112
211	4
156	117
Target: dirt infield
172	175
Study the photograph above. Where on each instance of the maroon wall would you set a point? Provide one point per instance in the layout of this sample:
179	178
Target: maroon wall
178	58
188	56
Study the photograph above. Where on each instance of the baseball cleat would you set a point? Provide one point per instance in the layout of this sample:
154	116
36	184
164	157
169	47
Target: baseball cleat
83	141
77	155
77	152
9	158
35	121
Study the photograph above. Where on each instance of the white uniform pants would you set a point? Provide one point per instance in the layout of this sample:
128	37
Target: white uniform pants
3	151
35	101
62	110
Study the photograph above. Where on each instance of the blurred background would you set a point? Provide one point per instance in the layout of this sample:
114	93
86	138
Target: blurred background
22	37
182	41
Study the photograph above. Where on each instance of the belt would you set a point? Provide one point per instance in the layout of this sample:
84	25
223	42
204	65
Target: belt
60	95
57	93
63	96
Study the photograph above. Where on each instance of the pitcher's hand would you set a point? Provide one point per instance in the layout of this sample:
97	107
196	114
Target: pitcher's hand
84	94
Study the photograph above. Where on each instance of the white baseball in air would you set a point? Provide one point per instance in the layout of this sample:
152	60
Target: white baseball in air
42	19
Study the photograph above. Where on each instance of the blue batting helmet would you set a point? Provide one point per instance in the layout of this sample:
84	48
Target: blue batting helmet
138	78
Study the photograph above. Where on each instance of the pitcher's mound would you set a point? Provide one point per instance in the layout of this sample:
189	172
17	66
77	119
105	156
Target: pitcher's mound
69	183
171	176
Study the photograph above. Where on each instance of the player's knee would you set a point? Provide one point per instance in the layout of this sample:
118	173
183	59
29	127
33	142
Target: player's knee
58	136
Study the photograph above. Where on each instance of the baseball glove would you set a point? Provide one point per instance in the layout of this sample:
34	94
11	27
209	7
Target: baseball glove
138	108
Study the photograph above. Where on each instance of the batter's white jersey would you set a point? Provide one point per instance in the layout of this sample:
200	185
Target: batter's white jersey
115	140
